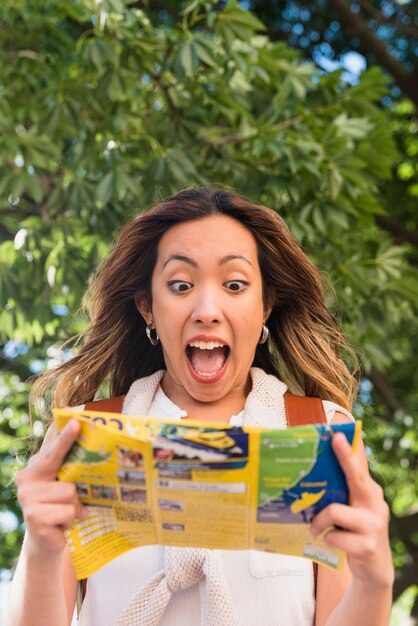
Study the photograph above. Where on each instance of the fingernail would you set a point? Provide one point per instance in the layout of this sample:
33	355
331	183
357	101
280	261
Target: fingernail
70	425
82	513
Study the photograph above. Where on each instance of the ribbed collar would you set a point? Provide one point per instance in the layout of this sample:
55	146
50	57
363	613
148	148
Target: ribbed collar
264	406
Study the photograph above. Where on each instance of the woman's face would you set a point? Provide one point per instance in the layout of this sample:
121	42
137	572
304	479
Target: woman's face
207	308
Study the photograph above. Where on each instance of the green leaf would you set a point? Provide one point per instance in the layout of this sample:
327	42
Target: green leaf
205	50
235	15
187	59
352	128
335	182
298	87
191	6
182	167
105	189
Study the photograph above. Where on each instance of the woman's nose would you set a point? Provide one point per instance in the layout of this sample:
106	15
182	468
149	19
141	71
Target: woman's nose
207	307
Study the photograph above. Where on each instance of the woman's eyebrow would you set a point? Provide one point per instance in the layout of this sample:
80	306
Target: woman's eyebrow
233	257
181	257
189	261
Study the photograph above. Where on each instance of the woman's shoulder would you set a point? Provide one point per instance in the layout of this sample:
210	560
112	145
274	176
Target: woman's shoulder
268	386
140	389
141	393
335	413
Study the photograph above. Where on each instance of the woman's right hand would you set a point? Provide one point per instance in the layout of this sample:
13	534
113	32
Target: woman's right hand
49	506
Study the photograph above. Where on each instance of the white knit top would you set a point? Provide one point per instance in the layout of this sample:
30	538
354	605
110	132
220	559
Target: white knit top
267	589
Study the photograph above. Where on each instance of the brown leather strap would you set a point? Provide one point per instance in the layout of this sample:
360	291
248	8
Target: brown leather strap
110	405
301	410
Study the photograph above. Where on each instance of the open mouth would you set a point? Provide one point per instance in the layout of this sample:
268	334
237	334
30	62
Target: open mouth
207	358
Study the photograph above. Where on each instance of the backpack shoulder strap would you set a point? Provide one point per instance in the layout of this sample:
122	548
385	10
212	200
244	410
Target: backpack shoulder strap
110	405
301	410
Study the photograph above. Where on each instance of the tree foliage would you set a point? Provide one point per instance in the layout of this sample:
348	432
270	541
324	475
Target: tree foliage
108	106
383	32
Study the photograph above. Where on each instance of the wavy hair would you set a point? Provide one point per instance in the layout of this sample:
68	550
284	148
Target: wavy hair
306	348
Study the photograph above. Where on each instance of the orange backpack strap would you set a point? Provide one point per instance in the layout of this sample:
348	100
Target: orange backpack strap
301	410
110	405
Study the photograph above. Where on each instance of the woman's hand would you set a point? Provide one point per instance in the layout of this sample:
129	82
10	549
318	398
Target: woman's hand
49	506
365	539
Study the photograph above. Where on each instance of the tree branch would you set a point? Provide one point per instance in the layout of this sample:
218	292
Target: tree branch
235	138
405	577
5	233
406	81
399	234
386	19
403	528
382	387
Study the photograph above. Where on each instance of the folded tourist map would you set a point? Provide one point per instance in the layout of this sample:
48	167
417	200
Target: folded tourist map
148	481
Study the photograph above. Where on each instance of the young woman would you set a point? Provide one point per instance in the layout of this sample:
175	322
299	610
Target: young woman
205	305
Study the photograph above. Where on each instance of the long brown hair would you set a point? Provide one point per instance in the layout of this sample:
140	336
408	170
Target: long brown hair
306	347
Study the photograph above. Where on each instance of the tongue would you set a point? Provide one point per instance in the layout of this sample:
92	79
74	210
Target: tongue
207	361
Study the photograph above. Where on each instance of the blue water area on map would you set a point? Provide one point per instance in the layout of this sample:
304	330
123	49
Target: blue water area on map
326	469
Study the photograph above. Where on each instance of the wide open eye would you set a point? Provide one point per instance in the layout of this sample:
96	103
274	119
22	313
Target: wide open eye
236	285
179	286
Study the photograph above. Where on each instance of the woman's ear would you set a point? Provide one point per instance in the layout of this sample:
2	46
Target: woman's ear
267	312
143	307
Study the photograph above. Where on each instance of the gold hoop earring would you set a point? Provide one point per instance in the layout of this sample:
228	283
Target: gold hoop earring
264	334
154	339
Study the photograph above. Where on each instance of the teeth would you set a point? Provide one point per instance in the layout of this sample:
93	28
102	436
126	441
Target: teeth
206	345
206	374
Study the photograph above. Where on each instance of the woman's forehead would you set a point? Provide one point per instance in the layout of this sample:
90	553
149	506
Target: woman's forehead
219	236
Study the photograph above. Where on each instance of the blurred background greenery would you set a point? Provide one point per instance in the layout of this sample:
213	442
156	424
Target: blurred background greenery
308	107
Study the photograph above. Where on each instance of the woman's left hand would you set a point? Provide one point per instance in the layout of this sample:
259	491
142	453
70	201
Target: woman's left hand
365	539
